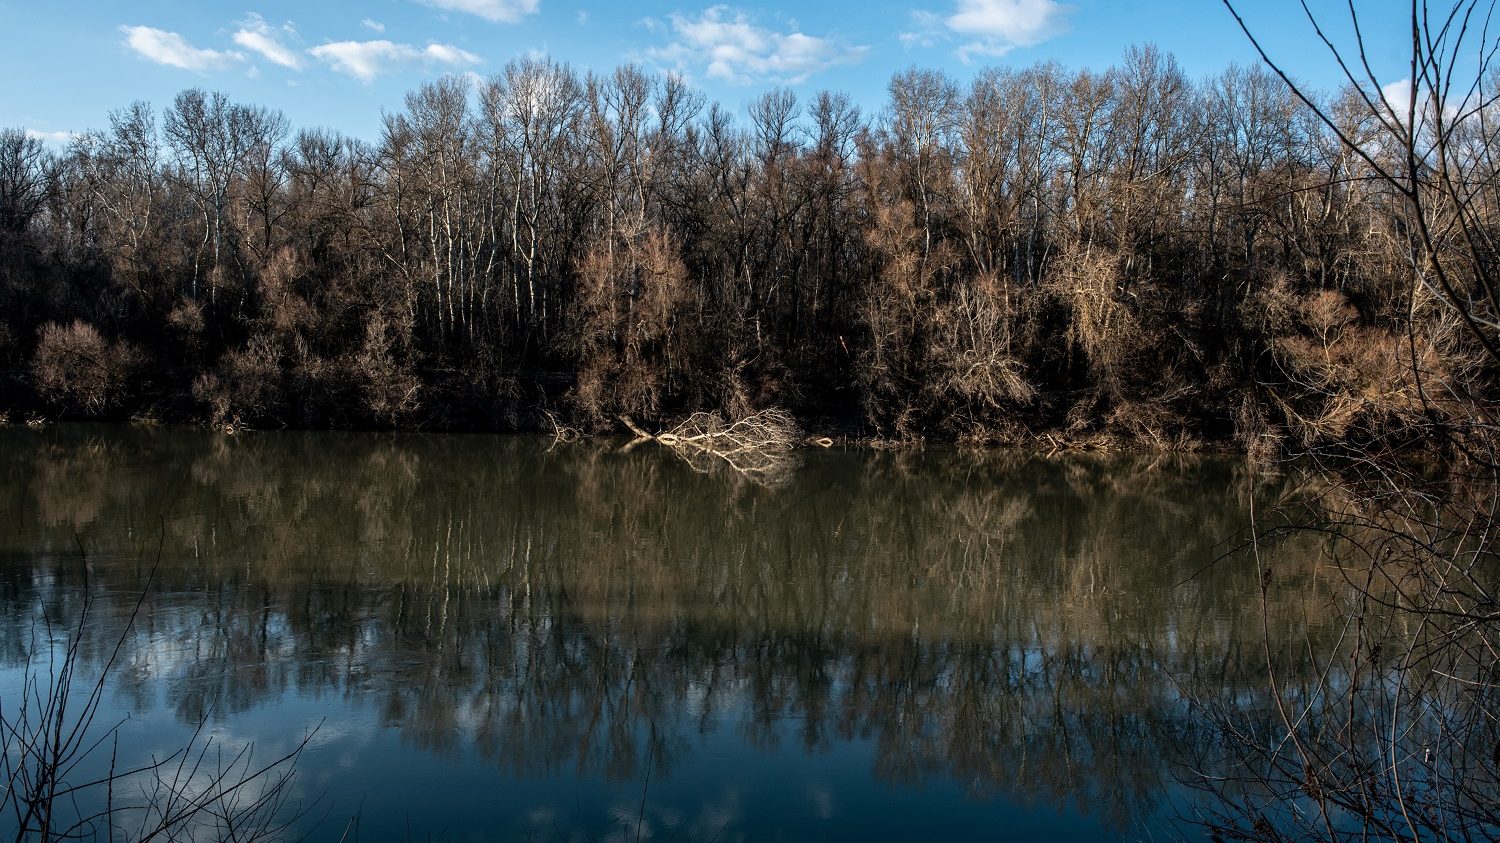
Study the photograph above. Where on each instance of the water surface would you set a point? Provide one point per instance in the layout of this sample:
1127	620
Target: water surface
495	638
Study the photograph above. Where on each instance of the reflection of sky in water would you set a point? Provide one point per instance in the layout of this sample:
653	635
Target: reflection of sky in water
493	641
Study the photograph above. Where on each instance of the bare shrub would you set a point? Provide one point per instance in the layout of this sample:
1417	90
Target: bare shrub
899	304
78	368
282	308
1345	377
974	348
1086	280
390	385
629	298
209	391
186	318
1154	422
247	384
1253	430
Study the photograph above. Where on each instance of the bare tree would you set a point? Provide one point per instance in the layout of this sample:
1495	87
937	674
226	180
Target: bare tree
212	139
25	179
1395	739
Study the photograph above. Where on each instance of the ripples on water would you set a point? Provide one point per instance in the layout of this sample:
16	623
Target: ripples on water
503	640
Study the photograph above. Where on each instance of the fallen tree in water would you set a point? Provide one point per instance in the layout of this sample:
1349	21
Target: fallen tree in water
758	446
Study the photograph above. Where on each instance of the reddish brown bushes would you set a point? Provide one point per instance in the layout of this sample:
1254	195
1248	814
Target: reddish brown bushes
631	335
78	369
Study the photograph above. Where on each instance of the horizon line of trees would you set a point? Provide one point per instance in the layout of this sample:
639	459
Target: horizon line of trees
1117	255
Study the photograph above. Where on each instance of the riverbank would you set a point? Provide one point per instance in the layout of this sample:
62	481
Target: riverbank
820	431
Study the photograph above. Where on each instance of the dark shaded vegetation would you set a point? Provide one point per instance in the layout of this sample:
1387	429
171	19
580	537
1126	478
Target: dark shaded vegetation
1033	255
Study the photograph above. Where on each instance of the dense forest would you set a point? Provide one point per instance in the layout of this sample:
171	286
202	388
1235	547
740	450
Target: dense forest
1032	255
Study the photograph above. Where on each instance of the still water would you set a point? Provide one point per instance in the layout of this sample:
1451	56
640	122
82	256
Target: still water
496	638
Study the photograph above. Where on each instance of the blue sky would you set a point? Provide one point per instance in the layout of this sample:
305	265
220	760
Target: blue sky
67	63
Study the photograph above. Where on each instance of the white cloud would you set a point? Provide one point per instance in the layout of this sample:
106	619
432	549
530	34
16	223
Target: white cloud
725	44
58	138
449	54
1397	98
173	50
372	25
495	11
1019	22
1398	95
257	35
928	32
991	27
583	17
364	60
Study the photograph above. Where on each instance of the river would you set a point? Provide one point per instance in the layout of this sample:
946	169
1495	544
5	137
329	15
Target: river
496	637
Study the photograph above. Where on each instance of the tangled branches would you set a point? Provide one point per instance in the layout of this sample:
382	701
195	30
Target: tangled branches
1394	736
63	775
1399	736
758	447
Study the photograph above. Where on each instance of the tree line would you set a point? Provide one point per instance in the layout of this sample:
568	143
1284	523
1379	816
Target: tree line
1036	254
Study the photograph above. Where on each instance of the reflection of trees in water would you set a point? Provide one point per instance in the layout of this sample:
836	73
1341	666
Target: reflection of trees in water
1008	622
1396	737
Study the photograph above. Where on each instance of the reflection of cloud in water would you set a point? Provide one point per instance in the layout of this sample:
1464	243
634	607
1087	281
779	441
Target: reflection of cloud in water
542	815
717	816
822	800
633	824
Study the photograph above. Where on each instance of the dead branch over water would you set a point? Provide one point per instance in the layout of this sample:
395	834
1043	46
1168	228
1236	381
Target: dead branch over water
757	447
